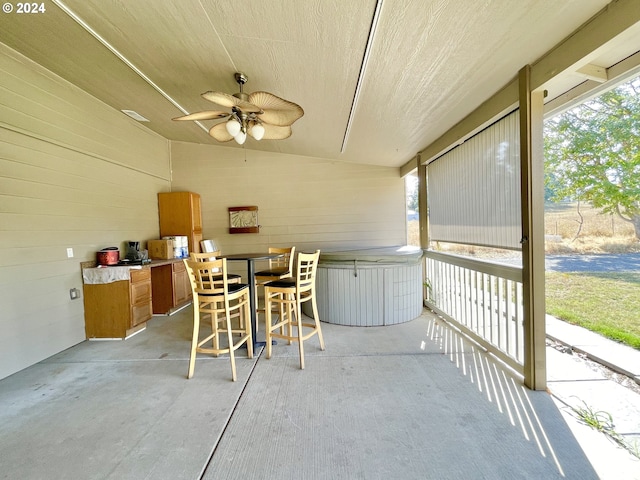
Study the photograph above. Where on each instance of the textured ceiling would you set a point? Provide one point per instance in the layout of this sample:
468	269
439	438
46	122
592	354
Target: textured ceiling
430	64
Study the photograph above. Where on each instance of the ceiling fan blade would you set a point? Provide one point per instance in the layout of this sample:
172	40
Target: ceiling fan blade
277	111
274	132
229	101
206	115
219	132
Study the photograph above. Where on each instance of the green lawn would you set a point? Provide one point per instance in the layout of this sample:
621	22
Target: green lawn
607	303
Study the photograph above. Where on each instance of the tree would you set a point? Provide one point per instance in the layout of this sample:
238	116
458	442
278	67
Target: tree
551	186
592	153
411	188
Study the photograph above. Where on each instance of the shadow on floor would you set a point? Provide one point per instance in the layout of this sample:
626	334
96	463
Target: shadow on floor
409	401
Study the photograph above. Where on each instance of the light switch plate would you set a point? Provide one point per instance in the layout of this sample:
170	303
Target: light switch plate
69	252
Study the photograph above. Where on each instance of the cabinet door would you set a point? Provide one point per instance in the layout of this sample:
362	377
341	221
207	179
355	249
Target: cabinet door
181	285
175	216
141	313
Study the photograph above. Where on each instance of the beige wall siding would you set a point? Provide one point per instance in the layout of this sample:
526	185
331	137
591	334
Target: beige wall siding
73	173
307	202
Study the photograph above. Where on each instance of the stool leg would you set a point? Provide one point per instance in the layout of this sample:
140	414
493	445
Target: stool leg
194	339
230	340
247	324
316	318
300	340
290	308
214	326
255	291
267	314
281	312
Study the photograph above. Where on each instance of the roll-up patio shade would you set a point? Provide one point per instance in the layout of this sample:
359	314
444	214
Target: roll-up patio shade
474	189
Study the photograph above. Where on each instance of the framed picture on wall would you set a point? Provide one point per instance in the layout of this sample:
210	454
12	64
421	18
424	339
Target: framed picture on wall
243	220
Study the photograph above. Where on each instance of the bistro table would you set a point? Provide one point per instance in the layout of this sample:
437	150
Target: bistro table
250	258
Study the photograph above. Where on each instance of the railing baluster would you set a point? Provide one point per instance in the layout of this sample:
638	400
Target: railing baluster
482	330
509	319
483	298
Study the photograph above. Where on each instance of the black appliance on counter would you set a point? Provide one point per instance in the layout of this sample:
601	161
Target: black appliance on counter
134	255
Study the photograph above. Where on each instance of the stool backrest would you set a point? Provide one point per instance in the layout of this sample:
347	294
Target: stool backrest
205	256
201	275
306	267
286	261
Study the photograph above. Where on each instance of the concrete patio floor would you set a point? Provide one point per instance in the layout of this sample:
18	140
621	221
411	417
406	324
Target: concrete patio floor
409	401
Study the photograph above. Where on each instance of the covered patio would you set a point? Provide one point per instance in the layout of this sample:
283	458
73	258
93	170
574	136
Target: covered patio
414	400
408	401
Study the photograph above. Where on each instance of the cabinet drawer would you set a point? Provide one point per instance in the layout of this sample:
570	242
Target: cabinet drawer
140	275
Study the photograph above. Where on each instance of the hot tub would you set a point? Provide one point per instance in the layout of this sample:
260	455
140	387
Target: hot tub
369	287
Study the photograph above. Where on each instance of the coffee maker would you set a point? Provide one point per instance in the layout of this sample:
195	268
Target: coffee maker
134	254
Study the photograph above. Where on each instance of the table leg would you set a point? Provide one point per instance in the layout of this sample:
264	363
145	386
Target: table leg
251	280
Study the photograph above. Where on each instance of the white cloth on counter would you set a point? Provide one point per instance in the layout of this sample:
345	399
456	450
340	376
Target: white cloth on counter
98	275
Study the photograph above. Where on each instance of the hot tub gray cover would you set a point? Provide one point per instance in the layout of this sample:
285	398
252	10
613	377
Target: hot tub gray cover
404	254
369	287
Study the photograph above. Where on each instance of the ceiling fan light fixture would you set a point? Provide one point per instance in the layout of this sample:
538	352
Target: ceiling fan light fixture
257	131
233	127
241	137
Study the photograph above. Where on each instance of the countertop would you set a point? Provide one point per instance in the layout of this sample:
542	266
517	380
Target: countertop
109	274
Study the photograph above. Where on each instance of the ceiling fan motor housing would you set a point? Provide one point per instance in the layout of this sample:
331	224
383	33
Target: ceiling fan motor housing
241	78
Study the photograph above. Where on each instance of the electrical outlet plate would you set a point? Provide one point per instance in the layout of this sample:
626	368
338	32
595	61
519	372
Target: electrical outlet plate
69	252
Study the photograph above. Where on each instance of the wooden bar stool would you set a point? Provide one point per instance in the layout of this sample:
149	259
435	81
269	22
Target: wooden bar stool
279	268
221	301
288	295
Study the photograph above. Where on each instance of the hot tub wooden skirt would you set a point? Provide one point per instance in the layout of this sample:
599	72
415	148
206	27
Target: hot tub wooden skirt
368	295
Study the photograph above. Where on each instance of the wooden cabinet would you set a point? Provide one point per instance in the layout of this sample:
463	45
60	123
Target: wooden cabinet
118	309
121	308
171	287
180	214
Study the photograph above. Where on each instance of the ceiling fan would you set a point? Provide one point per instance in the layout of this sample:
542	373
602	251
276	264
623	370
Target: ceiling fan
262	115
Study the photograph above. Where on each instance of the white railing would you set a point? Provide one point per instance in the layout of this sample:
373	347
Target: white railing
484	299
